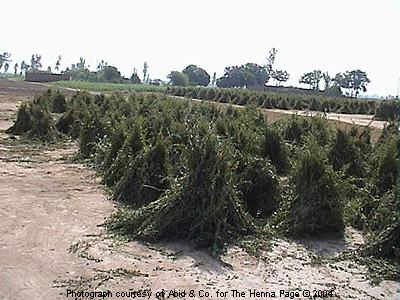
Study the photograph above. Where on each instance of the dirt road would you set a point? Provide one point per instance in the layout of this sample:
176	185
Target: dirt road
52	241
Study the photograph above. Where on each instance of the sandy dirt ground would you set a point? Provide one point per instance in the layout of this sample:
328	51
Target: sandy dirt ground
52	240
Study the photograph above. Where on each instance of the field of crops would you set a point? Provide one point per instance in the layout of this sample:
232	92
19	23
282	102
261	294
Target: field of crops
283	100
108	87
195	171
383	110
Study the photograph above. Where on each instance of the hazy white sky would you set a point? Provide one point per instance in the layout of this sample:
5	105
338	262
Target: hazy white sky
333	36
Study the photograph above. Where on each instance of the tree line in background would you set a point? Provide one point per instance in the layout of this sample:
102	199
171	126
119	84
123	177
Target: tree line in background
249	75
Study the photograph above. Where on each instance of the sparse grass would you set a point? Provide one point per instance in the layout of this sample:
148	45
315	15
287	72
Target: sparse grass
11	76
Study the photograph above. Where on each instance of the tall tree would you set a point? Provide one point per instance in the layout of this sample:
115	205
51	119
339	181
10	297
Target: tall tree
6	66
280	76
358	81
4	58
312	79
246	75
270	63
145	71
81	65
355	81
214	79
101	65
24	67
196	75
58	63
327	80
36	62
178	78
111	74
135	77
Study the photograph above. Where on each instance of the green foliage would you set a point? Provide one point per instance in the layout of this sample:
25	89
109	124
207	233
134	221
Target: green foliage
121	156
246	75
201	172
274	148
42	124
388	169
259	186
91	132
386	244
34	120
202	206
145	178
178	78
317	205
317	102
135	78
110	74
347	155
23	123
108	87
196	75
58	105
388	110
312	79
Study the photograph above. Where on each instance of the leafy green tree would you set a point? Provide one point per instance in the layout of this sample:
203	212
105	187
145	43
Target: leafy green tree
24	67
111	74
196	75
270	64
81	65
4	58
135	77
6	66
312	79
358	81
145	71
178	78
58	62
36	62
327	79
280	76
214	79
249	74
354	81
101	65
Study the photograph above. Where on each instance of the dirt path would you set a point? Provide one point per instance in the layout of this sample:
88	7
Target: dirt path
51	240
355	119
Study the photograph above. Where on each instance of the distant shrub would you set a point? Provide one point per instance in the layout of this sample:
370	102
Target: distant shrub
388	110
